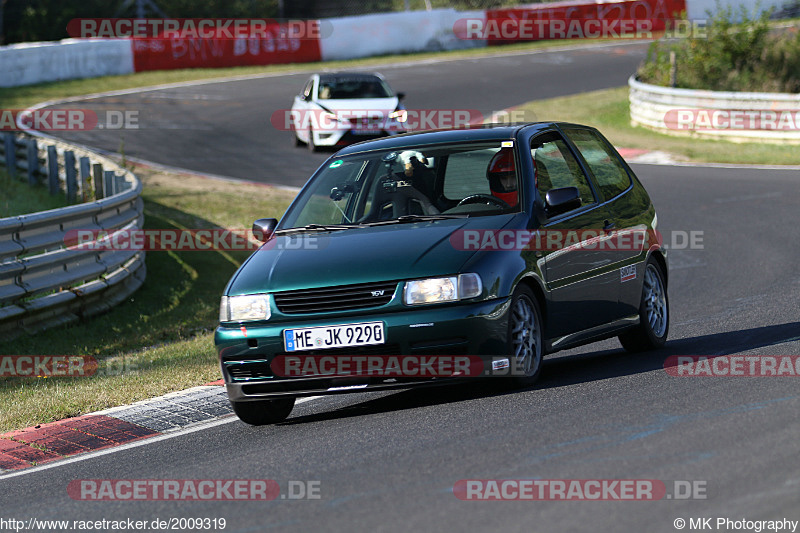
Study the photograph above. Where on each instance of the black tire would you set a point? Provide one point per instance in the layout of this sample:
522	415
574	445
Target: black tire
525	342
296	142
310	144
262	412
653	328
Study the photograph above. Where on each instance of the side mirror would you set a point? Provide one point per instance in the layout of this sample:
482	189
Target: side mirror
561	200
263	228
400	96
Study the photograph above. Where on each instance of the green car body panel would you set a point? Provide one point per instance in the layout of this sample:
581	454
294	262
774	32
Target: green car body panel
579	292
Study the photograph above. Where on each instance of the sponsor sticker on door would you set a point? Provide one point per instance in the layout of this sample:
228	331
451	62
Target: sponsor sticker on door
627	273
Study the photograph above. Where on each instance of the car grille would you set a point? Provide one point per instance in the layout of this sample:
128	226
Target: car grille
335	298
249	370
367	121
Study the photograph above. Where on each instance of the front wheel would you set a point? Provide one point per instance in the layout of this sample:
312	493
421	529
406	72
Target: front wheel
525	337
651	333
296	142
262	412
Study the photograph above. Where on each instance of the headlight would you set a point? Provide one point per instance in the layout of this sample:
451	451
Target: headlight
401	115
244	308
437	290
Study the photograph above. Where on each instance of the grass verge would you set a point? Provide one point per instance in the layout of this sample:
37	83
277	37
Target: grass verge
161	339
19	198
608	111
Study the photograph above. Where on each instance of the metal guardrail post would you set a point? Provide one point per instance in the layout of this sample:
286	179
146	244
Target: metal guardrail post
72	177
33	162
119	184
86	173
97	174
109	182
11	154
52	170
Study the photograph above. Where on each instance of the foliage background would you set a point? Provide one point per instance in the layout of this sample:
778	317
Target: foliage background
740	52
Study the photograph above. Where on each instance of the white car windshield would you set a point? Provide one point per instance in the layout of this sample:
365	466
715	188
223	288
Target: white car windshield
346	88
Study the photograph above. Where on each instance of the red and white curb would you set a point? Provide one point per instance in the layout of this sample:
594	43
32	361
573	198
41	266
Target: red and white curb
46	443
651	157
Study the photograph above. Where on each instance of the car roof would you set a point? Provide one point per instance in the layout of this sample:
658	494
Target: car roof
366	76
474	133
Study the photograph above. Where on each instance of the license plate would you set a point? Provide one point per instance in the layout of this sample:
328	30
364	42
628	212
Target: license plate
341	336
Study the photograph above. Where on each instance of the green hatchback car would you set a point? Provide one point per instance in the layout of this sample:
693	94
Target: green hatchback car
445	255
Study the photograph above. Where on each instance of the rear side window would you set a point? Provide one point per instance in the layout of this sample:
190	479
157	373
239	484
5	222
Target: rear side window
556	167
608	172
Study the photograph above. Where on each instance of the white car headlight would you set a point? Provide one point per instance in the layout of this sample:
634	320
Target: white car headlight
438	290
244	308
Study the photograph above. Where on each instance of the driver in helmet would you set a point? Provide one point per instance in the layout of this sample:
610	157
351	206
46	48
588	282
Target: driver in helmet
502	176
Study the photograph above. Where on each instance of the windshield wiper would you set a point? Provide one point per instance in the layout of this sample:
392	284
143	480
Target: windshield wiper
406	219
315	227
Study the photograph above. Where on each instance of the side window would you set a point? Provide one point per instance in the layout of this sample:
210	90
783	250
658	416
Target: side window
345	196
609	173
556	167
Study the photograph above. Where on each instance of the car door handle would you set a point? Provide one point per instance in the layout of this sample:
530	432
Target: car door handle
609	226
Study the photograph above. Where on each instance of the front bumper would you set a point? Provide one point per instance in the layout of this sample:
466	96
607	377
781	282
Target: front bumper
344	135
472	329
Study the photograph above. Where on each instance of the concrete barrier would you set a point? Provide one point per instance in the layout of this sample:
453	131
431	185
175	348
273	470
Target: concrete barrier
699	9
735	116
395	33
31	63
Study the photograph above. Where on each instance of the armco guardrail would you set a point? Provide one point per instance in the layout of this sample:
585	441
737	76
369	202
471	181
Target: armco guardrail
44	283
736	116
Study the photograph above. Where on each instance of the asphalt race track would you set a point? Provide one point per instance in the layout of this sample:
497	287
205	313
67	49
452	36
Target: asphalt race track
225	128
389	461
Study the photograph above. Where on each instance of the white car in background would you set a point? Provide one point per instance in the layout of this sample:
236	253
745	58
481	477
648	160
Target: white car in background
337	109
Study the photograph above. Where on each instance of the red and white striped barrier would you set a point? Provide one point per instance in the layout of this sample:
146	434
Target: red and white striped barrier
351	37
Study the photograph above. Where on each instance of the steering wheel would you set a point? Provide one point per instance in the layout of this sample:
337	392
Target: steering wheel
483	199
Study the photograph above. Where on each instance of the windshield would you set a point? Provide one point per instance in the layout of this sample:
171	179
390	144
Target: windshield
433	182
345	88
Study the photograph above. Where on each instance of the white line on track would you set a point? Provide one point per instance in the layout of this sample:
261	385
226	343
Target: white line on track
143	442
